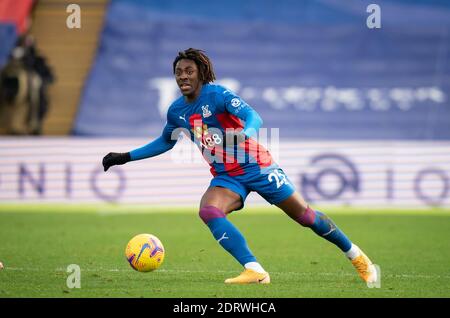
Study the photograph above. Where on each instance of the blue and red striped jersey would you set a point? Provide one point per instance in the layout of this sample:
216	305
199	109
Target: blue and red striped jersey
206	121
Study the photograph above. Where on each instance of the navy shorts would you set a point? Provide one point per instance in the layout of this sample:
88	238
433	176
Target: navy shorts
271	183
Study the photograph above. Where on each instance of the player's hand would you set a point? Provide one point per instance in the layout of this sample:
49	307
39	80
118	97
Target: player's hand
114	158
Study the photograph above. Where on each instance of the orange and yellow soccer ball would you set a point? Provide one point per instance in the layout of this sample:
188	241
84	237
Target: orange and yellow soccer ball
145	252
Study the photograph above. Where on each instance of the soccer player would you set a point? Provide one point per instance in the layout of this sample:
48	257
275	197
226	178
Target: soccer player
212	117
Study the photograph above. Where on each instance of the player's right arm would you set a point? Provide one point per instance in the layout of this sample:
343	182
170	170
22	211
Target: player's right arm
158	146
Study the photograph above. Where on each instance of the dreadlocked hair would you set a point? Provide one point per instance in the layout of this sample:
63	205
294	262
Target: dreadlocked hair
202	61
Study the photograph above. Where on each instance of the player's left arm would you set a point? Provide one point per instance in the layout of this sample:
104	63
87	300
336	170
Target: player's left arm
235	105
252	122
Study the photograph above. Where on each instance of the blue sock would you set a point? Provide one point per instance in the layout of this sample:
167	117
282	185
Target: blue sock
326	228
231	239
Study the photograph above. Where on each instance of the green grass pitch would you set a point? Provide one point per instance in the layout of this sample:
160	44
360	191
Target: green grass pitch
37	243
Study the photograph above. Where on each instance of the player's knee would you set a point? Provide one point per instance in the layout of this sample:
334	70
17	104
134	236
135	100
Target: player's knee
209	213
306	217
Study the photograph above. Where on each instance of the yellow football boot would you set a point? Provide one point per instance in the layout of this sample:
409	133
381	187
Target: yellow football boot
366	269
249	276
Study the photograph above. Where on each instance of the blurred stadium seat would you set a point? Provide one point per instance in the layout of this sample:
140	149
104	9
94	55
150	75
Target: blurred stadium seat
313	68
17	13
8	37
70	53
13	22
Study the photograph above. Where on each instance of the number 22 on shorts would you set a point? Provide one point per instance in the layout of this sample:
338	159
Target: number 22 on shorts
278	176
